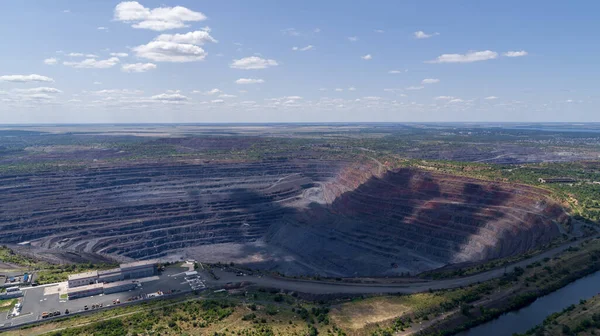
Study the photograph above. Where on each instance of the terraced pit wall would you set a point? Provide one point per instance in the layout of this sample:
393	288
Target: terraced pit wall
310	216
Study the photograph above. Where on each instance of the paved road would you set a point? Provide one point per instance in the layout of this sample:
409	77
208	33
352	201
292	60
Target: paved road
322	287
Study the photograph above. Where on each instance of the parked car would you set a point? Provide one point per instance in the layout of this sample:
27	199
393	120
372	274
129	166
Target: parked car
44	314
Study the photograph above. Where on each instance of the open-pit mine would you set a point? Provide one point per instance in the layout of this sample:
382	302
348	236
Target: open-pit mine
324	208
309	216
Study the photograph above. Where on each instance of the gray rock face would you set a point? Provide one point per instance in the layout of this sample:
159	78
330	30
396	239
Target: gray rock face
299	217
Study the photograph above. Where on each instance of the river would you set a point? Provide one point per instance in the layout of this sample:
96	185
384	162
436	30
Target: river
526	318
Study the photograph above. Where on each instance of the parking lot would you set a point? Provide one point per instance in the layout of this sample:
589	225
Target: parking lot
35	302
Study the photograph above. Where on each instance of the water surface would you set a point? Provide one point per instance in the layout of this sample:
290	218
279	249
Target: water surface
526	318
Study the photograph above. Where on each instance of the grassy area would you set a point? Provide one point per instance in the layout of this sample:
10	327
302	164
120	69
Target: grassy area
581	319
243	313
48	273
9	256
6	305
362	313
58	273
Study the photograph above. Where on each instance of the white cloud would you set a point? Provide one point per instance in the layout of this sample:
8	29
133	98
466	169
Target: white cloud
176	47
117	91
249	81
490	98
252	63
92	63
379	31
422	35
102	28
322	89
158	19
430	81
25	78
515	53
290	32
352	88
367	57
227	96
51	61
97	83
81	55
138	67
213	91
39	96
198	37
393	72
353	38
412	88
39	90
471	56
308	47
169	97
67	11
456	100
338	90
119	54
444	98
317	30
170	52
217	101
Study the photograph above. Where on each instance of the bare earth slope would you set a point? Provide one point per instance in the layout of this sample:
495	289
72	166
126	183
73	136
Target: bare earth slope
296	216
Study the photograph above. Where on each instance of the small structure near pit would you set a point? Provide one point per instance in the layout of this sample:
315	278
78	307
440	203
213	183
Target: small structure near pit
557	180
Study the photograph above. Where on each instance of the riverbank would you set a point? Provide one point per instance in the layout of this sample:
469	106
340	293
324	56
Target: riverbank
580	319
520	288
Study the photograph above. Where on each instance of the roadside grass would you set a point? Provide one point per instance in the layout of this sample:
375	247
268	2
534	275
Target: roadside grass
7	305
248	312
9	256
64	296
359	314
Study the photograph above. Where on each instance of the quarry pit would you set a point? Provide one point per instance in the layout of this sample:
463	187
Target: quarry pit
296	217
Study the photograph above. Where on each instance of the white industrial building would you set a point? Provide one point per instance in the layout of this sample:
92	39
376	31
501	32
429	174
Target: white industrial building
119	286
134	270
138	269
83	279
83	291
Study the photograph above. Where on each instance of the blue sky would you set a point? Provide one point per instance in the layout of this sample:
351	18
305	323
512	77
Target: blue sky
284	61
